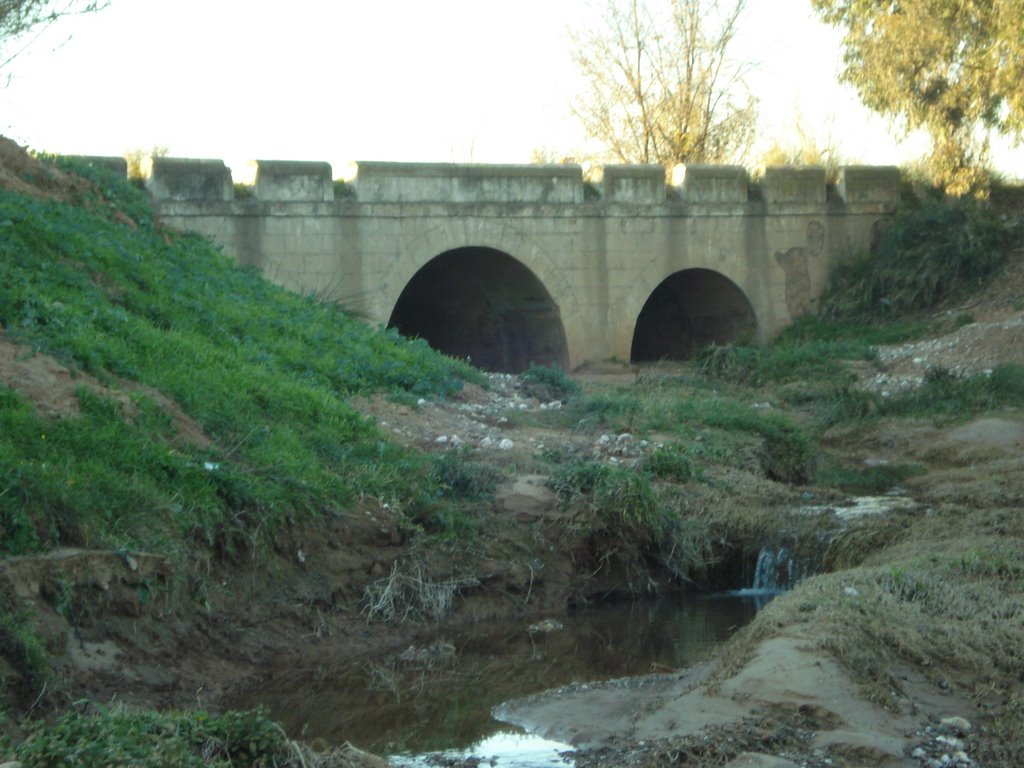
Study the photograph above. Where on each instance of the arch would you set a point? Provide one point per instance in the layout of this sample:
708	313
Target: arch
688	310
481	304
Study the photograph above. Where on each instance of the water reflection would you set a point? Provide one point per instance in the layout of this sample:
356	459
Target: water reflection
500	750
439	695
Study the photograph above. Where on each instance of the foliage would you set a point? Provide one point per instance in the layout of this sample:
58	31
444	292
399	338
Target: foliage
662	85
23	652
408	594
951	67
264	374
942	394
865	480
460	478
19	17
547	383
149	739
804	148
139	162
616	497
671	462
927	254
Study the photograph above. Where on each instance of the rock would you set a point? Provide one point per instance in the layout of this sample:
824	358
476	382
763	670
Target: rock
441	439
957	725
505	444
543	627
951	742
759	760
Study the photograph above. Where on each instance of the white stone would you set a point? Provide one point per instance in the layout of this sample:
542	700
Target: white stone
506	444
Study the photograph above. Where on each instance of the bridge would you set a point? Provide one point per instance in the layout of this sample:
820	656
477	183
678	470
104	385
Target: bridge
513	265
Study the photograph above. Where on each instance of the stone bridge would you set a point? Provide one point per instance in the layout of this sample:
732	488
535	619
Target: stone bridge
512	265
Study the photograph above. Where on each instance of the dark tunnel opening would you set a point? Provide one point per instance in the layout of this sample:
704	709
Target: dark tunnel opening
482	305
689	310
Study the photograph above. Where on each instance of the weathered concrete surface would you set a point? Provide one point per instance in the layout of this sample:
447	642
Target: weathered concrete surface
549	273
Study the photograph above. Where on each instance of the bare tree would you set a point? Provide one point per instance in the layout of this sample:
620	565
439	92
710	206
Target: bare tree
662	86
19	17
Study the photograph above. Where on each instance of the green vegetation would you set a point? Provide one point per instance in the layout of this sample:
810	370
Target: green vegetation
613	498
149	739
547	383
22	652
131	308
928	253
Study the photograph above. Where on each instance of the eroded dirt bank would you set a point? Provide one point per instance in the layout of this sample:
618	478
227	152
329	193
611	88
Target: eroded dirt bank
127	627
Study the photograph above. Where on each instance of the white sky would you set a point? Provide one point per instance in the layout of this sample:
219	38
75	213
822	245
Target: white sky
341	80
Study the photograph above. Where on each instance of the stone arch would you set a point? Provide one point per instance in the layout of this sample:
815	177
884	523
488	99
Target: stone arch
690	309
482	304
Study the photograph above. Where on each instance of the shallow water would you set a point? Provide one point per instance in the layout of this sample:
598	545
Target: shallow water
439	698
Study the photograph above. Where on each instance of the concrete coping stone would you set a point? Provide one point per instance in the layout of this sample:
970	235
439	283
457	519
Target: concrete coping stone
715	184
294	180
174	178
794	184
634	183
869	184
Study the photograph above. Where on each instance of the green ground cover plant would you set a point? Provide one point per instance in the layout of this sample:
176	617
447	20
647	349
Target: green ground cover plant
148	739
264	373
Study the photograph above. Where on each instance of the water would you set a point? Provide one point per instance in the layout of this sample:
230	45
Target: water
438	696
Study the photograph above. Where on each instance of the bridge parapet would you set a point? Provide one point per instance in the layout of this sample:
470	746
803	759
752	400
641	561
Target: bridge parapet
201	180
870	184
294	181
715	184
634	184
790	185
174	178
378	182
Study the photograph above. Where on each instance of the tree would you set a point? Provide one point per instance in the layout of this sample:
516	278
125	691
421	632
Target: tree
19	17
662	88
951	67
804	146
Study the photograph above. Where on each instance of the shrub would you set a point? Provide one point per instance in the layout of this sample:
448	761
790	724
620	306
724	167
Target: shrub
148	739
23	652
459	478
548	383
928	253
670	462
615	497
788	455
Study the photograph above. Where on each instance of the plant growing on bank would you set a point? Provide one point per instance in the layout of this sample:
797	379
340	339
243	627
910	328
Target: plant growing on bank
24	653
148	739
927	254
616	498
547	383
263	375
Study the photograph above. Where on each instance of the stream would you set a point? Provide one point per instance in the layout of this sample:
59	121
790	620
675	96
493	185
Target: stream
433	701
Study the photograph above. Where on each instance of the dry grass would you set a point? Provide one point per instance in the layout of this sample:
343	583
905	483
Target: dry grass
407	594
941	591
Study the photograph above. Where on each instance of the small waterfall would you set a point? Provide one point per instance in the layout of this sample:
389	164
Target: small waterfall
777	570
